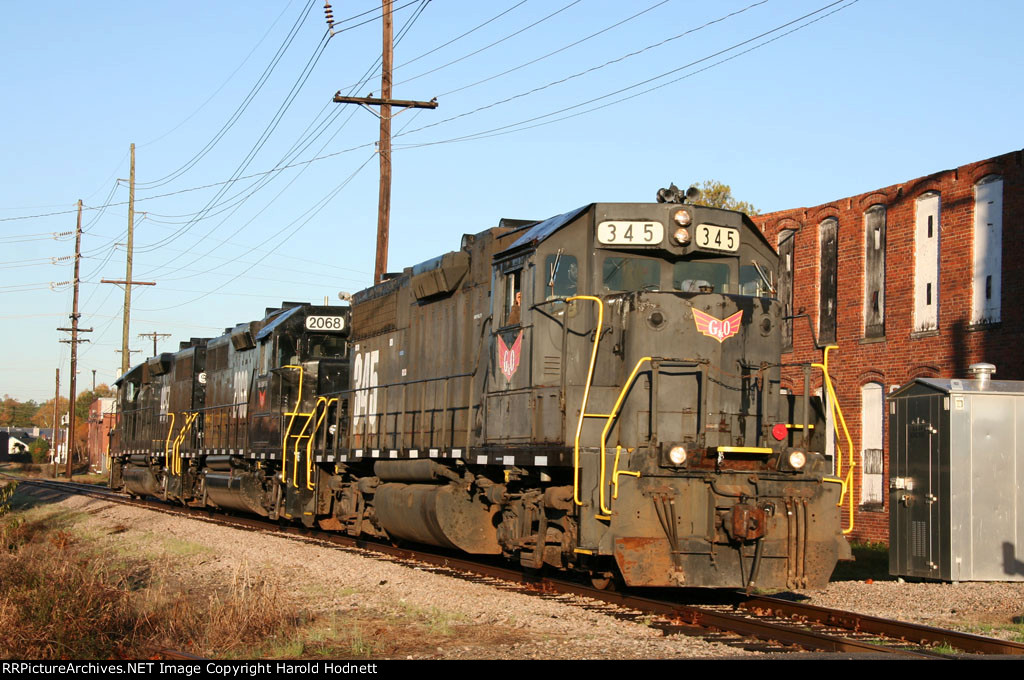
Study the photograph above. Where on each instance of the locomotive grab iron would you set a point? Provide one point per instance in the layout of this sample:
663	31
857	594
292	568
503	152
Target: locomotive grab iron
596	392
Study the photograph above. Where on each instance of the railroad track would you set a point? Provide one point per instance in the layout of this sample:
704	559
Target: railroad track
756	622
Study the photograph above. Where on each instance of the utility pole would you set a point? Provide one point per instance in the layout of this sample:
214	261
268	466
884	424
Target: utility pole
128	283
74	341
154	335
94	380
56	413
385	103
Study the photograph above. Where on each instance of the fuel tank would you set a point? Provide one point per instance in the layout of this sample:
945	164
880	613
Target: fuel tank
442	515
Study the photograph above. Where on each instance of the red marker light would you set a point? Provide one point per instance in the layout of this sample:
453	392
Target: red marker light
779	431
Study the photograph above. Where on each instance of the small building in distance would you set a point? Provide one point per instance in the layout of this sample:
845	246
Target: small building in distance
102	419
913	280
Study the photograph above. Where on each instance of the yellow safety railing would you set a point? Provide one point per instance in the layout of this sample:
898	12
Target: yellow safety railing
167	444
312	436
190	418
609	422
586	395
616	472
292	415
847	482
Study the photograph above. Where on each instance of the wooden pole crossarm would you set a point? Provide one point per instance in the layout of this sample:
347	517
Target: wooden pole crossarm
376	101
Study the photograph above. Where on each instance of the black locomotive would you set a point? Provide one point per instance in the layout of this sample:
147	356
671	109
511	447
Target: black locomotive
596	392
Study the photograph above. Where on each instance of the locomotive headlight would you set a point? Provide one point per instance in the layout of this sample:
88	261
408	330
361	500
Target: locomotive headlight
681	236
797	460
675	454
682	218
332	429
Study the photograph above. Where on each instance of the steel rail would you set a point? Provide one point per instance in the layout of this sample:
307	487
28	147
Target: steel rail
687	619
917	633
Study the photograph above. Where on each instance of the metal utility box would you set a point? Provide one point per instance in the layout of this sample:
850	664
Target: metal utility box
956	480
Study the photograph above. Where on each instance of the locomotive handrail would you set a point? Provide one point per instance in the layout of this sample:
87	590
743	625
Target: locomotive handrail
312	435
847	483
170	429
190	418
616	472
586	397
287	432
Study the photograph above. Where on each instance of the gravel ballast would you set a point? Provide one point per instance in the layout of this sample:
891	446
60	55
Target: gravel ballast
415	613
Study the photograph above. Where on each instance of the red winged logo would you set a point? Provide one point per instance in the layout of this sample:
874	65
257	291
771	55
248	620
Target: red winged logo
717	328
263	397
508	357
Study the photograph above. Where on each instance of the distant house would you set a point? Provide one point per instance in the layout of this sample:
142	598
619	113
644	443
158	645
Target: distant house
14	442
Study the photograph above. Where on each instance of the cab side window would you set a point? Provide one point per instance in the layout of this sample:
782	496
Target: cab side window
513	298
560	276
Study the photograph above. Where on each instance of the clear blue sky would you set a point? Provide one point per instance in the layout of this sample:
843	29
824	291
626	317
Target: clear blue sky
870	94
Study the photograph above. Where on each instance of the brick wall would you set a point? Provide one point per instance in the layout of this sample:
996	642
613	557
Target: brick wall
902	354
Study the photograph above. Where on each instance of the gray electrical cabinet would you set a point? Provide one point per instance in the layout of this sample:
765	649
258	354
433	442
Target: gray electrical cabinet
956	479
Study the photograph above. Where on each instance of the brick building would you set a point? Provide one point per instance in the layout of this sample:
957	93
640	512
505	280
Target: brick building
918	279
102	419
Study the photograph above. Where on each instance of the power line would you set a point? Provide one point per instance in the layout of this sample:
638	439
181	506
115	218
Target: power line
494	132
260	82
598	67
312	212
558	51
487	47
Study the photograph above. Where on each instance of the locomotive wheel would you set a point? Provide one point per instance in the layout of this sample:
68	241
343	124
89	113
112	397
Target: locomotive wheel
604	580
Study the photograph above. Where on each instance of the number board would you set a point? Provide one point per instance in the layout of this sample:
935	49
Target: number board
630	233
713	237
325	323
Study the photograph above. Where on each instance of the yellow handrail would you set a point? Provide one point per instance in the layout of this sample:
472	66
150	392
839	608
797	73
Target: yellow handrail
847	483
287	431
190	418
167	444
586	394
609	420
309	445
616	472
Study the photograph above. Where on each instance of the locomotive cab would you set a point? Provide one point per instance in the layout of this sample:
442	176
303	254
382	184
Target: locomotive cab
646	343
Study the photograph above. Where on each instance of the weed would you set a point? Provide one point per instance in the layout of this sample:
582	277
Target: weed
5	497
62	600
871	561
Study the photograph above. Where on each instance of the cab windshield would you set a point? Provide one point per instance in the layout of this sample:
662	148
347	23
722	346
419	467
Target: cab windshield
631	273
701	277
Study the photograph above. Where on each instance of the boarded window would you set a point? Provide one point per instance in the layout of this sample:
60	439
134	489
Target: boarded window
874	272
988	249
871	444
828	242
787	238
926	262
830	432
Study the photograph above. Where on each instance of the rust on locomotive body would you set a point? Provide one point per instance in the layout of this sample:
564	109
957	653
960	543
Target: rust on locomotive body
594	392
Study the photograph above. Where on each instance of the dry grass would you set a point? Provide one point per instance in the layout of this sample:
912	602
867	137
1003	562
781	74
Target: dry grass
60	600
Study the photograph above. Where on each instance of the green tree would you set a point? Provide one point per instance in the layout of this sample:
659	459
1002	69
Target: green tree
714	194
39	450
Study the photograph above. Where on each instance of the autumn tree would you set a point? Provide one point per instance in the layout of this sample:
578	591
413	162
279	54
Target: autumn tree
714	194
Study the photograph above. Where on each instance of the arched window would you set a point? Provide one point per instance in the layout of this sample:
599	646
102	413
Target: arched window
828	244
926	262
874	272
988	250
787	239
871	433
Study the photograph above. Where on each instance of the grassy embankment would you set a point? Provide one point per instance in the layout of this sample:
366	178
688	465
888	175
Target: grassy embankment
71	590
